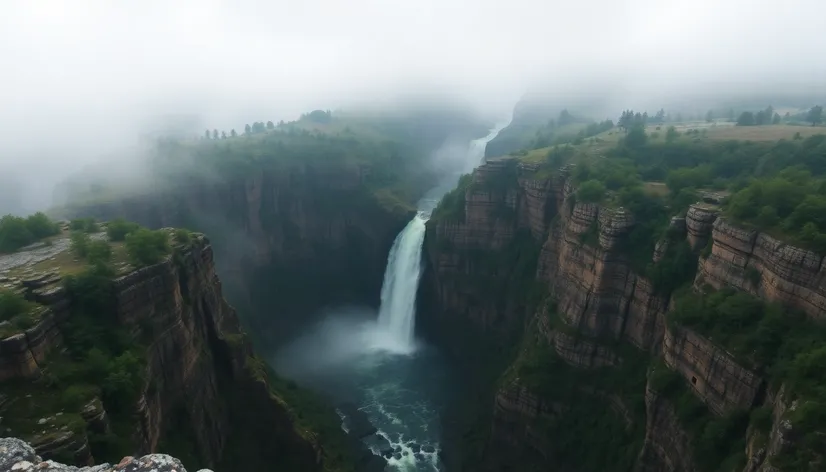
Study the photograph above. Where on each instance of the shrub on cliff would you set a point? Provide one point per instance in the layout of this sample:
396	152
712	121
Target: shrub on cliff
12	305
146	247
591	191
79	243
16	232
87	225
182	236
40	226
99	252
117	229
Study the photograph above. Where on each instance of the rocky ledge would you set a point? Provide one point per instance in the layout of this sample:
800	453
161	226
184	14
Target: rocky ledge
17	455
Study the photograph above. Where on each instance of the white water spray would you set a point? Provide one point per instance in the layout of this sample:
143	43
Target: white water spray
397	315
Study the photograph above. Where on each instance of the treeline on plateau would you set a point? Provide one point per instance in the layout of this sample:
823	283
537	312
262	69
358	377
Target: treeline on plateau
778	187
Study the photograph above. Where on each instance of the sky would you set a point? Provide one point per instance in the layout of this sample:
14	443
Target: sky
82	78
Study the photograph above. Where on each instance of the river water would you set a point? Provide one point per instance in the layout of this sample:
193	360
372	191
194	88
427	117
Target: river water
374	361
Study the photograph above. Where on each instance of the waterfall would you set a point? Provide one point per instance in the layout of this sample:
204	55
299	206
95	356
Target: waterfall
401	281
397	314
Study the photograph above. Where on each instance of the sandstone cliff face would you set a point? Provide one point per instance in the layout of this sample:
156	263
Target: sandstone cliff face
766	267
197	375
503	202
666	447
712	373
594	301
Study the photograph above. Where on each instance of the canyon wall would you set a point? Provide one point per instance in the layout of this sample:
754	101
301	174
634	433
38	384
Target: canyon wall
202	387
595	322
314	233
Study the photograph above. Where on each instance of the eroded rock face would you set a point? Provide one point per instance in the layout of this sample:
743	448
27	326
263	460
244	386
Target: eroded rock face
761	449
279	221
765	267
516	412
601	300
713	374
574	350
198	380
502	202
667	445
698	221
16	455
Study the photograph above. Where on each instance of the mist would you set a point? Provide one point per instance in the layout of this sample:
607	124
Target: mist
82	81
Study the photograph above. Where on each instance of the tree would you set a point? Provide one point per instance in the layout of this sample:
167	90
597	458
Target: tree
215	134
660	116
636	137
80	243
247	129
40	226
146	247
709	116
14	233
776	119
730	114
815	115
98	252
223	135
233	133
671	134
117	229
590	191
767	217
746	119
270	125
760	118
206	134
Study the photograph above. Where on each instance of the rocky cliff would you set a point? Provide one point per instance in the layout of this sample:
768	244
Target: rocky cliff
203	394
19	456
595	323
307	229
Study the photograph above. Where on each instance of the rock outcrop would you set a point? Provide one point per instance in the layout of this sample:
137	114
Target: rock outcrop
16	455
713	374
766	267
199	383
667	445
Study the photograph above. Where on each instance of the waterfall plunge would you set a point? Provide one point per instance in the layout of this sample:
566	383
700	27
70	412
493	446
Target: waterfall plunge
397	315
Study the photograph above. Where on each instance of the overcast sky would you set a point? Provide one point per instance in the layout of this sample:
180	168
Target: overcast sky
81	76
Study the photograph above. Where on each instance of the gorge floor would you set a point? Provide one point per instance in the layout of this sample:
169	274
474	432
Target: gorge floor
402	392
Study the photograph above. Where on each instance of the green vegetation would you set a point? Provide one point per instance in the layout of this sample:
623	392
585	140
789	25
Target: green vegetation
590	191
789	203
718	443
452	205
602	423
79	243
86	225
146	247
117	229
785	346
182	236
19	312
16	232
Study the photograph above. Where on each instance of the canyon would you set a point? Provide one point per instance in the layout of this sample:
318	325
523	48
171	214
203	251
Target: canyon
565	348
592	330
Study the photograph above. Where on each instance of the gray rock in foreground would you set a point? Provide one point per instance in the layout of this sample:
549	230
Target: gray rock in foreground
18	456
